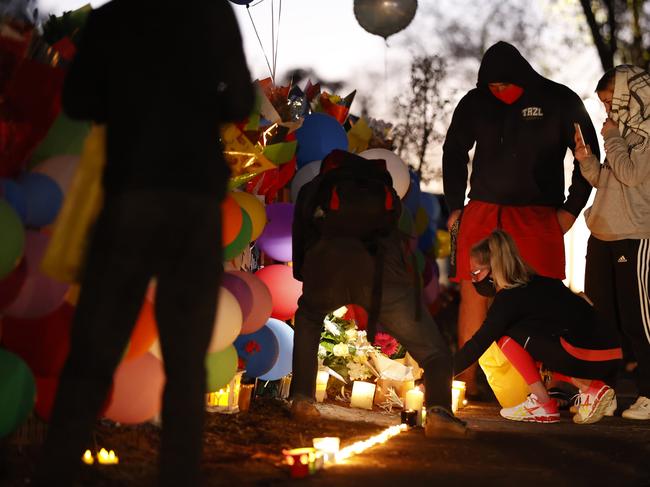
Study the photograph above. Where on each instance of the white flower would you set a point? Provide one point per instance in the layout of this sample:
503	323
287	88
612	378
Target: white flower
340	313
358	371
331	327
351	334
341	350
322	352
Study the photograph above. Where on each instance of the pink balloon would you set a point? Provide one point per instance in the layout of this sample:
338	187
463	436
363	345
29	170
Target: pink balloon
137	390
262	307
285	290
39	294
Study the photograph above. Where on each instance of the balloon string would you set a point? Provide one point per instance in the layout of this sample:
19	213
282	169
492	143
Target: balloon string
261	45
277	40
273	39
386	73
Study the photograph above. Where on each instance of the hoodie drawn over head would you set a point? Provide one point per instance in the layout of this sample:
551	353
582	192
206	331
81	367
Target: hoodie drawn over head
520	147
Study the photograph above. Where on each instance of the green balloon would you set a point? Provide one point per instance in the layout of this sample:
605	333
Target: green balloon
221	367
17	390
405	222
65	137
12	242
235	248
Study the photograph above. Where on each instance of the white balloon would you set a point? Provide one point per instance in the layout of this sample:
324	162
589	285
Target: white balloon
305	174
227	323
397	168
59	168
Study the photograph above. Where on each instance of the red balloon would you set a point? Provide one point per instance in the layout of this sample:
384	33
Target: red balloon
285	290
11	284
46	388
41	342
358	314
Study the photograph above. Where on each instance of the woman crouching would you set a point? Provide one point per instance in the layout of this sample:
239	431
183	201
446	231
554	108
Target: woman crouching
538	319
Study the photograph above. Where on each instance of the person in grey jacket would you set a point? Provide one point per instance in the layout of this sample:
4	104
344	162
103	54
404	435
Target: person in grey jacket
618	252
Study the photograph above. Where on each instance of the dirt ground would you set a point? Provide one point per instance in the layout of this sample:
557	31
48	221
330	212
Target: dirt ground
240	449
246	450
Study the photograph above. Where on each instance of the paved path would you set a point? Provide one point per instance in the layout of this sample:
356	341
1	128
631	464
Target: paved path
613	452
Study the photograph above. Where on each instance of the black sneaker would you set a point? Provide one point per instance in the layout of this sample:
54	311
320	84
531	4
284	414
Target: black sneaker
441	423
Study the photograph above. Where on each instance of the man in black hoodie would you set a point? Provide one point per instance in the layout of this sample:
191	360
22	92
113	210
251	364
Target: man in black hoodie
522	125
162	76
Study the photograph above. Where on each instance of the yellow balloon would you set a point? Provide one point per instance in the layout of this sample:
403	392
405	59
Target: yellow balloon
255	209
444	243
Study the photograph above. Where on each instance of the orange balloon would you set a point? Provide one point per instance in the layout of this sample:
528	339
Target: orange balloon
144	333
232	220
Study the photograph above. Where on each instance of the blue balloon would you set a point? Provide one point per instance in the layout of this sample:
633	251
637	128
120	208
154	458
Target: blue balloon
431	205
319	135
43	196
14	194
258	350
412	197
284	335
241	2
427	239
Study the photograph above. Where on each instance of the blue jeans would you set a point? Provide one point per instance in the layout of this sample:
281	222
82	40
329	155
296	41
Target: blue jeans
176	238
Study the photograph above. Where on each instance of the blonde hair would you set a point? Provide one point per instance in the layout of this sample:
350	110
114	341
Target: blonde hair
499	251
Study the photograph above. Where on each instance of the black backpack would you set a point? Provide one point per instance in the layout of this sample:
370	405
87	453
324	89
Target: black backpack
355	198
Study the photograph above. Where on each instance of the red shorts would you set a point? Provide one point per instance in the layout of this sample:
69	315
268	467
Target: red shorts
535	230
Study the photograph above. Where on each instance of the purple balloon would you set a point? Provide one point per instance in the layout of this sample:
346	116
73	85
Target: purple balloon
275	240
39	294
241	291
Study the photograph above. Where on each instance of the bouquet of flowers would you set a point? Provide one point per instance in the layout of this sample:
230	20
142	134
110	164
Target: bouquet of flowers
345	349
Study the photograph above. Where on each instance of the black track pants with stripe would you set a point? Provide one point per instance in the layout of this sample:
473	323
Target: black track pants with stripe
617	280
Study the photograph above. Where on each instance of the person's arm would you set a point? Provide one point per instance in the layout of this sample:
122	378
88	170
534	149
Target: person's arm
236	91
85	91
630	169
499	316
580	188
302	228
455	157
589	165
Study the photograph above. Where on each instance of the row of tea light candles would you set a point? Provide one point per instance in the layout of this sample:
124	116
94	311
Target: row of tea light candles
305	461
326	450
104	457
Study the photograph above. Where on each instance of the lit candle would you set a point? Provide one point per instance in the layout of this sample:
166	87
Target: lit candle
299	460
107	458
329	445
321	385
415	400
363	394
88	458
457	395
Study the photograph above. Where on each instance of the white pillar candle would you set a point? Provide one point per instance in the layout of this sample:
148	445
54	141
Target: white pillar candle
457	395
414	399
363	394
321	385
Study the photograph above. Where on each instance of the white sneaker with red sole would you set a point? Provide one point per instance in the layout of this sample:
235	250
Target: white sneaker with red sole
594	404
533	411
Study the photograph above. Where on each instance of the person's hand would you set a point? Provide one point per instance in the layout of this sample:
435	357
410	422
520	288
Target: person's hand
608	125
582	152
565	219
453	216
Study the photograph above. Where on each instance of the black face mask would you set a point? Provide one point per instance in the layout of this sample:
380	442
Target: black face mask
485	287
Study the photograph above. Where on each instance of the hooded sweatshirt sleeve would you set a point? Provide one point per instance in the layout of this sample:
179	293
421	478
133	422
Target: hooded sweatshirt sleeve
580	188
455	156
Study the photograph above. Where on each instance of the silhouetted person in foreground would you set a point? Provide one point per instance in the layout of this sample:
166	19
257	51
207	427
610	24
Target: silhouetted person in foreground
162	76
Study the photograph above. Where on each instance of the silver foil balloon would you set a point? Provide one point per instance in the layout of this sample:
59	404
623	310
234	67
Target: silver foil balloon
384	17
